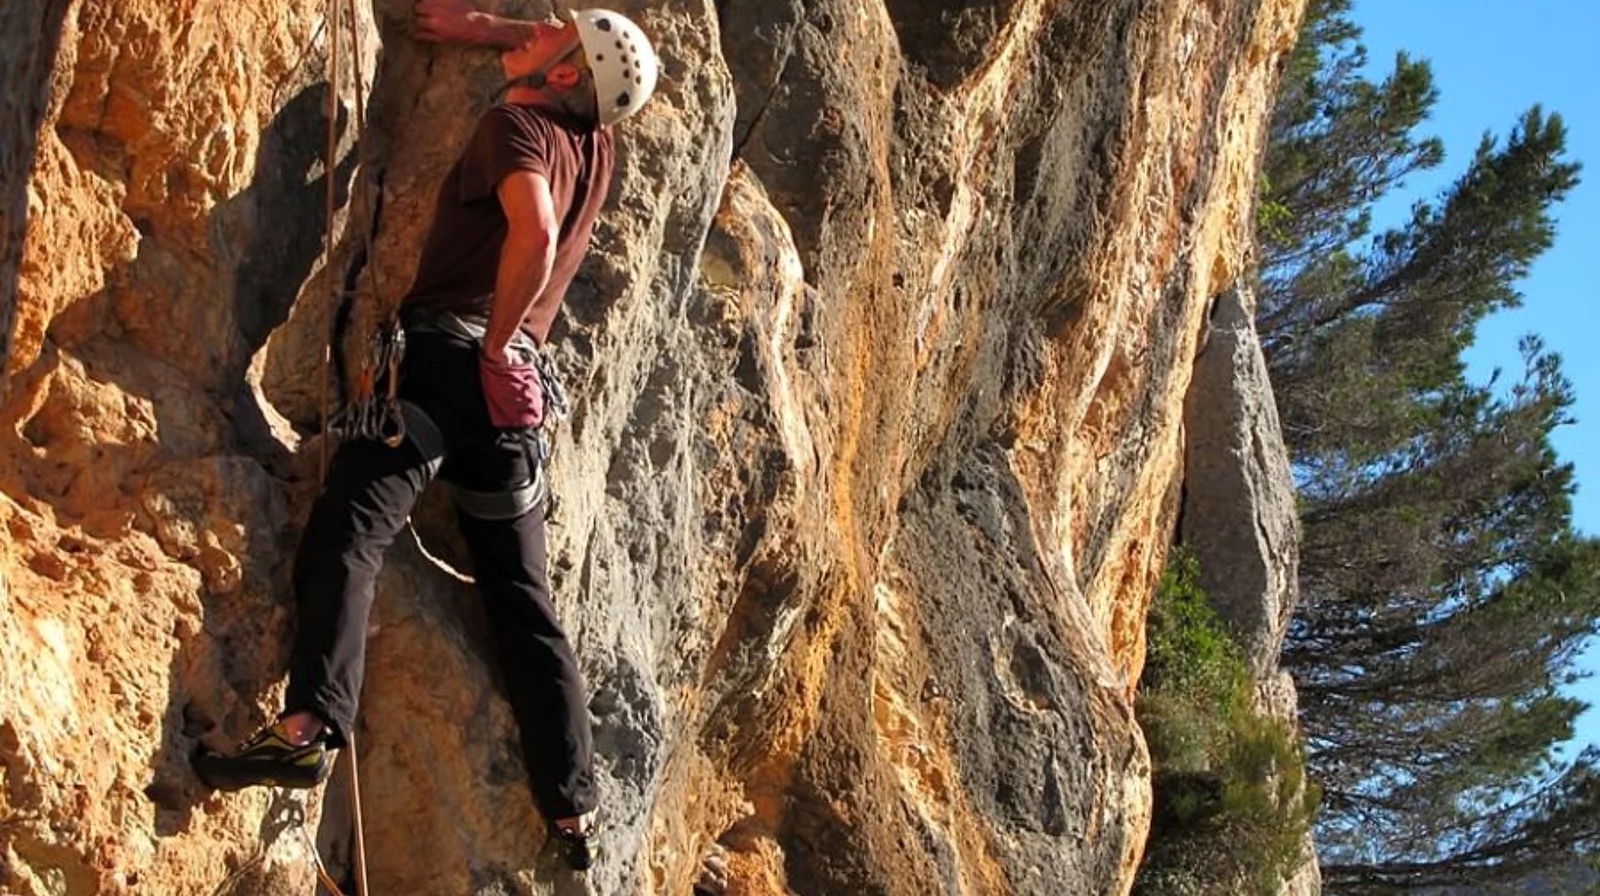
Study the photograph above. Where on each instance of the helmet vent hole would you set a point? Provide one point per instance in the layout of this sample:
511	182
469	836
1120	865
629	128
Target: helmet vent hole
603	24
623	99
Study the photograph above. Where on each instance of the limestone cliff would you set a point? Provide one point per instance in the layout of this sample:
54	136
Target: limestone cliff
881	361
1239	516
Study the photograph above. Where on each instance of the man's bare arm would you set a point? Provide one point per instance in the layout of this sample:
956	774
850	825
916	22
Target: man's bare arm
459	21
526	258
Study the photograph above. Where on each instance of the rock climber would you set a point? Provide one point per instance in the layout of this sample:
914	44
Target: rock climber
512	222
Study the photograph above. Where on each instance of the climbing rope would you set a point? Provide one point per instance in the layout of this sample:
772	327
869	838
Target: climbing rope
359	420
368	413
297	820
329	167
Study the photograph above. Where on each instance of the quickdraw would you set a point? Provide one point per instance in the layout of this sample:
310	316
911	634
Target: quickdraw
555	394
297	820
371	413
366	413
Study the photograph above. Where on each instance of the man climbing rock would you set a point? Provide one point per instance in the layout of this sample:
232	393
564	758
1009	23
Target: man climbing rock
511	224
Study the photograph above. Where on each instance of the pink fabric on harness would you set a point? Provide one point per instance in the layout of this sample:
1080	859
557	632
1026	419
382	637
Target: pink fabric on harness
513	393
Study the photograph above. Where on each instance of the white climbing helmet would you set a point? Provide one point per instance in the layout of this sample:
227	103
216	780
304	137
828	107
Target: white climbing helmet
621	59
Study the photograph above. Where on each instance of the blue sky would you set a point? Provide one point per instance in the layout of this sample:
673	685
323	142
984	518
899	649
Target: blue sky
1491	61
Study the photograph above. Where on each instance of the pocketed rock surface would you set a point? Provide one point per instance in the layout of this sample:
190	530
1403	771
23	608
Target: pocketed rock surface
879	364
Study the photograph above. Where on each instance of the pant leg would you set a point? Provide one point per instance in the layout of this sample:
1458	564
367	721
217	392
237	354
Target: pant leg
542	678
367	496
543	683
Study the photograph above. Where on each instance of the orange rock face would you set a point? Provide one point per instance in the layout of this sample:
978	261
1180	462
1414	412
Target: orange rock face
879	363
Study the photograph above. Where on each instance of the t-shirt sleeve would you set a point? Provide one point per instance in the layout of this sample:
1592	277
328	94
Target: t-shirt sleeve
504	142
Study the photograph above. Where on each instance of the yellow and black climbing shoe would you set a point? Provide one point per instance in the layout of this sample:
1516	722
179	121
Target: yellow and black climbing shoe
267	760
580	849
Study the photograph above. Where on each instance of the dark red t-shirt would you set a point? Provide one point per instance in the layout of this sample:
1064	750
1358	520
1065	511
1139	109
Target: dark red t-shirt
462	254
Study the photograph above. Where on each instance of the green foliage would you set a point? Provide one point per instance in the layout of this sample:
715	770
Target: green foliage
1232	807
1273	216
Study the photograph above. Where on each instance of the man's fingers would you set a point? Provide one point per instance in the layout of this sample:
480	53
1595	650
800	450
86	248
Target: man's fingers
442	20
434	29
430	20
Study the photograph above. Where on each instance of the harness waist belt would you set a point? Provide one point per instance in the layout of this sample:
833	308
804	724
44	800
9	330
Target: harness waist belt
470	327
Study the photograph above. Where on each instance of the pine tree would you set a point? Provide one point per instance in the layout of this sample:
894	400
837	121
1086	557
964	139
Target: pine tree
1444	591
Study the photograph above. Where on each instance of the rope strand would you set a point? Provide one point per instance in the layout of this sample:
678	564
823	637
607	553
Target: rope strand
330	168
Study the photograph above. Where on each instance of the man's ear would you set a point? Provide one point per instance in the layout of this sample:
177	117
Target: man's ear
563	76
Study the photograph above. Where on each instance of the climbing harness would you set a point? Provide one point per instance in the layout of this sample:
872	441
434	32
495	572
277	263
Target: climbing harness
473	327
534	442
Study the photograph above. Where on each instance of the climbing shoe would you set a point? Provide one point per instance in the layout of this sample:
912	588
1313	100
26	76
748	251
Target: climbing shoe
268	759
580	849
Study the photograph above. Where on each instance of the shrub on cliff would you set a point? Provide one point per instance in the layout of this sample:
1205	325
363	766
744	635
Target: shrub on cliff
1231	803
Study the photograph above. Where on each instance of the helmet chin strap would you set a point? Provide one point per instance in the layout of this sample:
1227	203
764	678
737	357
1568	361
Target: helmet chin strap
535	80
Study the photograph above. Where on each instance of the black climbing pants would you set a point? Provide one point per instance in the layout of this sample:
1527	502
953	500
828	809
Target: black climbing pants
368	494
